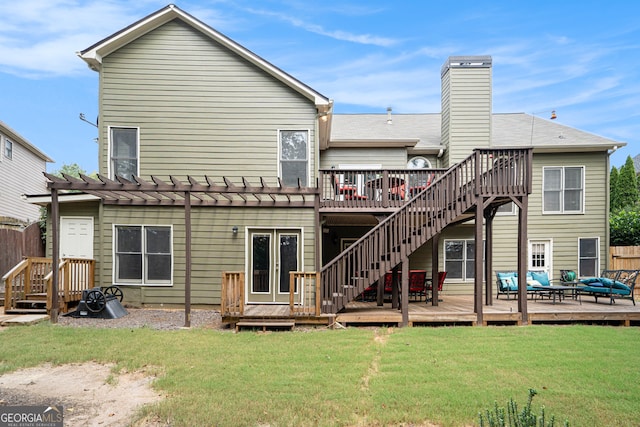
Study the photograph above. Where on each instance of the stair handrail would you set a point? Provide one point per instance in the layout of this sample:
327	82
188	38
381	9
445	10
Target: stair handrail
503	171
17	281
75	276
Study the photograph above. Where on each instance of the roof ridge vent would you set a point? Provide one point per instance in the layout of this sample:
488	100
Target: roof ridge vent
389	121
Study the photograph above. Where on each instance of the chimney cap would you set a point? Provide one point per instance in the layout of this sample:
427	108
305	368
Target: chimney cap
469	61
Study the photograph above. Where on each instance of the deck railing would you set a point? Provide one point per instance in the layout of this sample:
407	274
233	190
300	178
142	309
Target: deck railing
373	188
27	277
74	276
504	172
304	293
232	298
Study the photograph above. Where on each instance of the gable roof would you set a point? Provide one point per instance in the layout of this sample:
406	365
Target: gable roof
17	138
422	133
93	54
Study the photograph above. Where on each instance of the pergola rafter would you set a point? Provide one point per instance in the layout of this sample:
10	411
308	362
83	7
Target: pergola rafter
157	192
140	192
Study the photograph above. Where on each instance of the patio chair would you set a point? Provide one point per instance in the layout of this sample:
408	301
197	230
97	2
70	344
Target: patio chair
417	285
429	285
348	191
622	287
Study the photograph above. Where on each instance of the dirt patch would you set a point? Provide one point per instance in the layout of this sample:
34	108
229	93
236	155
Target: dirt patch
90	393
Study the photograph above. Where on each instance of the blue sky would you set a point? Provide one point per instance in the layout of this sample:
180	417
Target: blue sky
580	58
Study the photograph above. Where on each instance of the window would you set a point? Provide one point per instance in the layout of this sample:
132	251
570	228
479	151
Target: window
589	257
8	149
124	152
294	157
459	259
142	255
563	189
507	209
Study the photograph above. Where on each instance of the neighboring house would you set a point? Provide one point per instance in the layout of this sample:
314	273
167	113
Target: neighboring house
636	164
225	151
21	172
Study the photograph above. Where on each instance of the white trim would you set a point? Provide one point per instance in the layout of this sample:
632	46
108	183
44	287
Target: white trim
562	190
308	153
110	144
45	199
142	282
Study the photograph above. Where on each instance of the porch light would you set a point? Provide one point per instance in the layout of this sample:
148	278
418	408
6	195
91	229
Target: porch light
234	229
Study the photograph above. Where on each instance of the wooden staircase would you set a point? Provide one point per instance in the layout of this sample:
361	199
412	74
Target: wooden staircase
35	303
497	175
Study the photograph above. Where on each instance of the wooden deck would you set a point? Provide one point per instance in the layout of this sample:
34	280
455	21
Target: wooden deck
458	310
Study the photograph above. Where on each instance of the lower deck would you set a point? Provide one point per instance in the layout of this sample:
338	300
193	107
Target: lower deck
458	310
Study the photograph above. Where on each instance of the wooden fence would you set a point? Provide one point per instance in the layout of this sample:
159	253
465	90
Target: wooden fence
624	257
18	244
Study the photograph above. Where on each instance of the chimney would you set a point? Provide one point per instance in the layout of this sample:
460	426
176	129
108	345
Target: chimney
466	106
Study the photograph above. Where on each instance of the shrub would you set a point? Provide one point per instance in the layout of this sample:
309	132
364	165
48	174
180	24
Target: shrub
511	417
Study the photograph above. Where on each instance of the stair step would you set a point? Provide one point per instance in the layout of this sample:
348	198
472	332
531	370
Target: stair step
27	303
265	324
26	311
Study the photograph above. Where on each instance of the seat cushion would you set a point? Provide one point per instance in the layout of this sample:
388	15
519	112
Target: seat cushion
541	277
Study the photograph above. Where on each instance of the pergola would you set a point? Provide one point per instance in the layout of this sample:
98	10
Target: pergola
156	192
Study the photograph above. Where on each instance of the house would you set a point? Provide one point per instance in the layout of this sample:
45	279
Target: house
21	167
218	167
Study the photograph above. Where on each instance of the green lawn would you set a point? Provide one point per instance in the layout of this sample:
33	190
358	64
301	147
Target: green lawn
589	375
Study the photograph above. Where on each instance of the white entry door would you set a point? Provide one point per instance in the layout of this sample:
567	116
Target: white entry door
76	237
540	256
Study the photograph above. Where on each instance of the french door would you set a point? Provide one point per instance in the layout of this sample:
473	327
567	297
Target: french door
273	254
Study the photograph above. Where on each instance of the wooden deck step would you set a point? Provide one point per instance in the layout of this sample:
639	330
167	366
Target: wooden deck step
26	311
31	303
265	324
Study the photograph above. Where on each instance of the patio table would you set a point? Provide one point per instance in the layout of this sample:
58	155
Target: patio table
559	290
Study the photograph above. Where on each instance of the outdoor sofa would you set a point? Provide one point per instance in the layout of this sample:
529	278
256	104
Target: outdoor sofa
507	283
613	284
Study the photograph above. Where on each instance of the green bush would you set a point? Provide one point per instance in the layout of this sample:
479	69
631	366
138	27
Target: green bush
511	417
624	226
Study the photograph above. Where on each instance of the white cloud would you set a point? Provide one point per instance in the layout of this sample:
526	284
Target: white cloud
366	39
41	37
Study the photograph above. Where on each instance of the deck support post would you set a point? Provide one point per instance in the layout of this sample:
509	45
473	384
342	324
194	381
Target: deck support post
380	293
187	266
404	304
394	288
477	293
55	255
488	257
522	258
435	267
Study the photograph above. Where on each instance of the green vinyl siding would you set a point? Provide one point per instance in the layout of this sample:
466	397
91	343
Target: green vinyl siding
562	229
466	112
201	109
214	247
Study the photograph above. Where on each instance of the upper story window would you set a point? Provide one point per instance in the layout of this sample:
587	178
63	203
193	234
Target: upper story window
294	156
123	152
8	149
563	189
